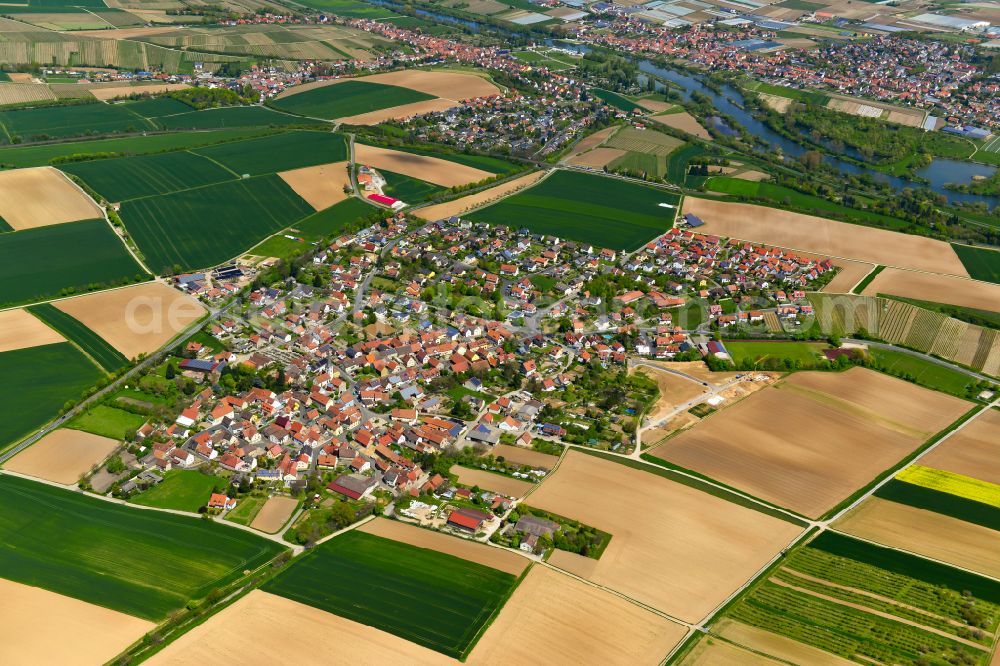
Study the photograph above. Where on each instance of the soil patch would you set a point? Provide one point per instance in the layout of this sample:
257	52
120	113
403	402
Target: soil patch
20	330
490	481
522	456
938	288
465	204
321	186
685	122
274	514
40	196
973	451
62	456
429	169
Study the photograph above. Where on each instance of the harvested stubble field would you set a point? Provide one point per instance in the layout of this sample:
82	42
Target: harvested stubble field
809	233
596	158
321	186
274	514
836	433
20	330
681	551
144	563
135	320
322	638
607	212
497	483
495	558
973	451
87	634
524	456
19	93
430	169
938	288
683	121
111	92
464	204
713	652
209	225
41	196
62	456
926	533
433	599
554	619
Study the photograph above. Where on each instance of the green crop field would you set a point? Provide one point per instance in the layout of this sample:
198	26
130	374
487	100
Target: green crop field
69	121
234	116
806	353
53	260
156	106
246	510
921	371
37	383
865	602
944	503
127	178
982	263
677	162
144	563
430	598
787	197
182	490
604	211
41	155
76	332
209	225
349	8
407	188
349	98
279	152
616	100
333	219
912	566
107	421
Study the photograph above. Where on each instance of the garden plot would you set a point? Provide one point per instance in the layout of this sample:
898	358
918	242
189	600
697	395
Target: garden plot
20	330
41	196
62	456
836	433
497	483
675	548
274	514
524	456
135	320
554	619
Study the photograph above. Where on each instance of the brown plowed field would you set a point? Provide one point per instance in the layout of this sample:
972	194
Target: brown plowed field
554	619
973	451
596	158
41	627
401	112
760	224
465	204
810	441
937	288
455	86
125	91
523	456
685	122
926	533
709	652
490	481
62	456
321	186
850	273
20	330
592	141
674	548
429	169
776	645
488	556
41	196
274	514
135	320
250	633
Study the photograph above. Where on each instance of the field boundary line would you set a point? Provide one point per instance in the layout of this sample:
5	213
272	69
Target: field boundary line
57	299
216	162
